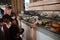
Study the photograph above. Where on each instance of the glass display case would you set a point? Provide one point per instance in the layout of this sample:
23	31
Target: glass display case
48	20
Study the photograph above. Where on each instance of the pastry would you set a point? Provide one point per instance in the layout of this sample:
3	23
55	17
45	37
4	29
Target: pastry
54	29
56	25
40	22
48	25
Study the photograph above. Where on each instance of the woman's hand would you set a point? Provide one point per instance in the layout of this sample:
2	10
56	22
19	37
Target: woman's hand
18	35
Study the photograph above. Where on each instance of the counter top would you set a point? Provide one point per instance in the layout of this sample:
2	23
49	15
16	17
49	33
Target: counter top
44	31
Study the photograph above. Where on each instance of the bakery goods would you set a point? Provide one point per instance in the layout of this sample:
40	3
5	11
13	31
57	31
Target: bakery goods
54	29
56	24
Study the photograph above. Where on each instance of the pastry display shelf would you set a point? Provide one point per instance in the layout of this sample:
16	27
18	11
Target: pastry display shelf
52	19
32	13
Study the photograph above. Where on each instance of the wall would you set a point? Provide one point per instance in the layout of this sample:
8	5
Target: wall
18	5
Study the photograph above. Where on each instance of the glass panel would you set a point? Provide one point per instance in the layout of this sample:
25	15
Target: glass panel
49	20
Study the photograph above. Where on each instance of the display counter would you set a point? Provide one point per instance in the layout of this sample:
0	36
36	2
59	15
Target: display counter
48	34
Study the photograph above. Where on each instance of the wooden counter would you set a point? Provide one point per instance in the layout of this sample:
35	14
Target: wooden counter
40	3
45	5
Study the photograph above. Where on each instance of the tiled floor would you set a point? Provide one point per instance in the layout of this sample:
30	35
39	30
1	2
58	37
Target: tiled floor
27	32
24	34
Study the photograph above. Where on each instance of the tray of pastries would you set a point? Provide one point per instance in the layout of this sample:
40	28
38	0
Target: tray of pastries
54	27
45	21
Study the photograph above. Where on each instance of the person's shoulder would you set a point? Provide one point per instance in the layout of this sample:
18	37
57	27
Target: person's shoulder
3	24
5	9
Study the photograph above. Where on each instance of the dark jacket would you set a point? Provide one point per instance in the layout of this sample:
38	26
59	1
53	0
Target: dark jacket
6	32
1	35
13	33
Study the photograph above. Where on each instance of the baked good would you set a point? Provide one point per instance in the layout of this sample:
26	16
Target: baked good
54	29
56	24
40	22
48	25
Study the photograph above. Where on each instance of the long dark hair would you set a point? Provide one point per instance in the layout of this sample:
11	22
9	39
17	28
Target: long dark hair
6	16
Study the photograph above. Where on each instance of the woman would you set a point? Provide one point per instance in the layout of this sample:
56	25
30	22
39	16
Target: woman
6	25
1	30
8	10
14	31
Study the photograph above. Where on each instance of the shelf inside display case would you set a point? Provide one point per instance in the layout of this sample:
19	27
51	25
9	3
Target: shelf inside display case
51	15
